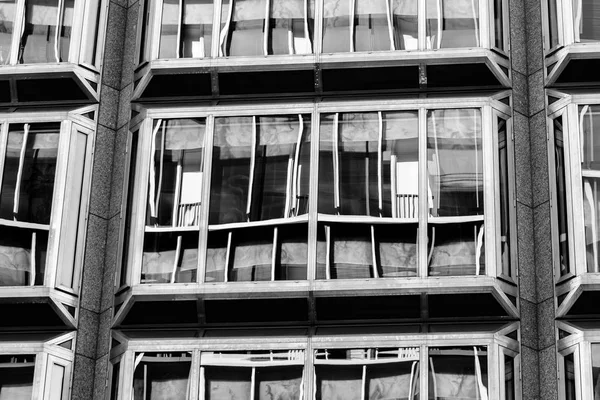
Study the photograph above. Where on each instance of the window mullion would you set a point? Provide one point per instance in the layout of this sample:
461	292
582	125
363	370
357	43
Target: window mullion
154	28
266	28
424	373
318	34
421	24
216	29
352	11
59	17
423	195
80	11
179	23
253	384
17	194
207	152
485	17
224	33
39	377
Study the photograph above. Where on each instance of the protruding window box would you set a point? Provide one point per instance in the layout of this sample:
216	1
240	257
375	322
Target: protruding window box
333	199
225	40
45	165
53	48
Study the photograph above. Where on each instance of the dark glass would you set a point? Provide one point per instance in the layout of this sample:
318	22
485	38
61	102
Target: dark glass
596	369
456	249
16	379
131	184
569	378
157	377
498	25
170	257
561	197
504	199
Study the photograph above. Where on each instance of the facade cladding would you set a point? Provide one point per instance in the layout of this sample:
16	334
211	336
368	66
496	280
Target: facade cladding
299	199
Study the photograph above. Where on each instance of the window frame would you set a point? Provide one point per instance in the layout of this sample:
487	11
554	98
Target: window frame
492	109
497	344
59	247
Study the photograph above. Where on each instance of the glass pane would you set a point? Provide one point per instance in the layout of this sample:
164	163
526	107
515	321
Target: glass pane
170	257
591	201
336	26
22	256
589	119
16	379
553	23
114	390
261	168
7	17
251	254
91	27
569	377
372	25
292	252
128	215
404	14
458	373
498	25
393	381
561	196
509	378
596	369
56	381
455	162
369	164
243	34
186	33
452	23
291	27
345	250
396	250
224	383
279	383
175	186
504	199
339	382
29	172
41	43
456	249
586	14
159	377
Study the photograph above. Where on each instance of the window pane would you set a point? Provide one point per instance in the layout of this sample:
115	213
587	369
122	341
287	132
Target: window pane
596	369
499	25
339	382
369	164
591	201
114	391
336	26
569	378
586	14
128	215
291	27
56	381
561	196
260	168
175	186
279	383
589	119
92	22
186	33
243	34
7	16
372	26
170	257
224	383
160	376
29	172
404	14
456	249
504	198
345	250
393	381
509	378
553	23
22	256
452	24
396	250
16	379
39	42
459	372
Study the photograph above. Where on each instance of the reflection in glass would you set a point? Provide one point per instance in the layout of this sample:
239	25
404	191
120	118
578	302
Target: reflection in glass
498	25
458	373
243	33
260	168
162	376
16	379
452	24
369	164
509	378
383	373
291	27
569	378
596	369
456	249
404	15
170	257
553	23
7	20
561	196
586	15
186	33
504	199
42	41
29	172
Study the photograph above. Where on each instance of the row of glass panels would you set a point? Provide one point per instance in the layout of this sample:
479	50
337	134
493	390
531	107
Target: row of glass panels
369	204
349	374
42	31
184	28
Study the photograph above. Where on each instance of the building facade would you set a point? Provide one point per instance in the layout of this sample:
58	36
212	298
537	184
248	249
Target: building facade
299	199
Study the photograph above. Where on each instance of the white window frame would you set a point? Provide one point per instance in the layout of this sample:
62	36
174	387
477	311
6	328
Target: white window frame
491	110
60	248
497	345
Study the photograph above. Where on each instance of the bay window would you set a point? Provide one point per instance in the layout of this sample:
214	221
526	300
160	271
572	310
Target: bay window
45	165
254	28
384	191
408	366
50	31
36	366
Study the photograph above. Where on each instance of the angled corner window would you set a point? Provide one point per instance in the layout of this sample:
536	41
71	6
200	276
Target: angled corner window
45	29
16	380
585	20
45	177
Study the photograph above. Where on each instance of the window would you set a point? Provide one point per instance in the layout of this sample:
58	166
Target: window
398	367
45	178
397	191
36	363
42	31
253	28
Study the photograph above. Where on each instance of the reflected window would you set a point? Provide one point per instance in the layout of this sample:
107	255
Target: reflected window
561	196
596	369
586	14
186	29
162	376
452	24
7	22
16	379
458	373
